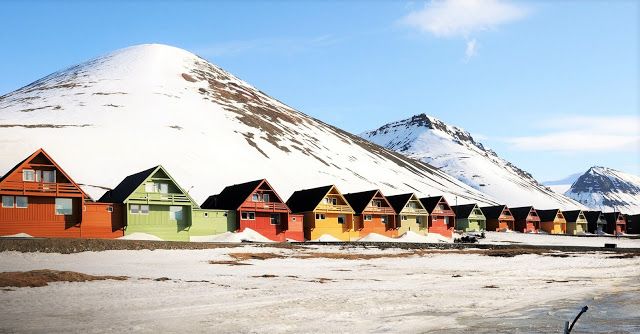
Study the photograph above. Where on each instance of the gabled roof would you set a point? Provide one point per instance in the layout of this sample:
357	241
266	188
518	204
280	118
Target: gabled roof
398	202
360	200
232	197
464	210
547	215
493	211
611	217
48	157
430	203
308	199
571	215
593	216
129	184
521	212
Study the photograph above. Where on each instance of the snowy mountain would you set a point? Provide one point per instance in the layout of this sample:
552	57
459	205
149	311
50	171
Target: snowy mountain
602	188
455	152
155	104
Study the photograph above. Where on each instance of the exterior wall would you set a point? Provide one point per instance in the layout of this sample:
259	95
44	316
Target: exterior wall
577	227
499	225
206	222
375	225
40	220
317	228
527	225
411	224
295	228
553	227
262	224
471	224
157	223
438	225
99	222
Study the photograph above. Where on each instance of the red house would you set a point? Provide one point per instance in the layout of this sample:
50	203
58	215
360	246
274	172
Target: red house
41	200
259	208
441	217
526	219
373	213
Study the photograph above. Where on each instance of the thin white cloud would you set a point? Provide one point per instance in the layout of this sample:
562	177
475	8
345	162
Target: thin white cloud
471	50
455	18
584	134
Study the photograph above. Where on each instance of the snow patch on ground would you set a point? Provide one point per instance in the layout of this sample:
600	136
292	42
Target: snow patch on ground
19	235
141	236
327	238
247	235
557	240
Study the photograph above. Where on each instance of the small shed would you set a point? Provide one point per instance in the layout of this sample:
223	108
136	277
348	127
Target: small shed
469	218
499	218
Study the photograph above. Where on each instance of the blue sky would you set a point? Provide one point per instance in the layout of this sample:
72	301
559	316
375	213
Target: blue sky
551	86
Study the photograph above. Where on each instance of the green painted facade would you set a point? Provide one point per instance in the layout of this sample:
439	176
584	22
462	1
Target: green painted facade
476	222
160	207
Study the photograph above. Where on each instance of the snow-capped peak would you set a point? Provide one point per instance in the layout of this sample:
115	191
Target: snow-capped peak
456	152
603	188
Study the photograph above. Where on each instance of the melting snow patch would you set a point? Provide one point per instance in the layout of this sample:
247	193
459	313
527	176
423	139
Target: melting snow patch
141	236
327	238
375	237
246	235
19	235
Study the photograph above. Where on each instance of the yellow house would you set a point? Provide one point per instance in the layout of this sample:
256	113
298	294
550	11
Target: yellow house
326	212
412	216
552	221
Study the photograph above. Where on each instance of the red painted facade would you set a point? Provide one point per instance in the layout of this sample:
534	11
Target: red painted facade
102	221
40	199
530	224
269	215
442	219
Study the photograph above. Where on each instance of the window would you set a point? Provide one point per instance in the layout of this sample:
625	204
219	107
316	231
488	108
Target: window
7	201
64	206
144	209
275	219
248	215
22	202
419	220
175	213
29	175
384	219
376	203
265	197
412	205
367	217
404	218
135	209
153	187
149	187
342	219
255	197
293	219
163	188
320	216
331	200
447	220
441	207
49	176
109	209
206	214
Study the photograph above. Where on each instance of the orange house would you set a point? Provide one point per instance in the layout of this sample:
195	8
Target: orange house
373	213
41	200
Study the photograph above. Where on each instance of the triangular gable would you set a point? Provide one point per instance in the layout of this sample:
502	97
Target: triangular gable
34	155
333	188
464	210
265	182
400	202
232	197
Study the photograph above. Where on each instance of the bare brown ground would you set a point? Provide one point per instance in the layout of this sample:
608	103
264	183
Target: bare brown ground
36	278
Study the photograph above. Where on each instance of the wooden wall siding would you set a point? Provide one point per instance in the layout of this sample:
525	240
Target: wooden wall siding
157	223
500	224
437	224
577	227
99	223
411	224
375	225
40	220
209	222
295	228
529	225
262	224
472	224
314	229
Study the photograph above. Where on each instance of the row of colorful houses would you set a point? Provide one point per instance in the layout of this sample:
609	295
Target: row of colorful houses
41	200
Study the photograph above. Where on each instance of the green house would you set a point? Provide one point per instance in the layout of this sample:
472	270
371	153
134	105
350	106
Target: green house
469	218
156	205
412	216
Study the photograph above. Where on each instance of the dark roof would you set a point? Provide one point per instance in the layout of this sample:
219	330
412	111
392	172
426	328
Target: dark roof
547	215
232	197
572	215
492	211
611	217
126	187
306	200
430	203
359	201
398	202
520	212
592	216
464	210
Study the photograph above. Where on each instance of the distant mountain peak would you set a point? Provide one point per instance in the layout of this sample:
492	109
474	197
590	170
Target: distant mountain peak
605	188
456	152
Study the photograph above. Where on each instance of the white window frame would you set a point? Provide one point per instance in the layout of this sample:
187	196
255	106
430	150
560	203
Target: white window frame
344	219
403	217
56	206
142	212
265	198
110	208
278	220
26	201
150	187
293	219
376	203
137	211
173	214
53	172
248	215
13	202
255	197
24	175
320	216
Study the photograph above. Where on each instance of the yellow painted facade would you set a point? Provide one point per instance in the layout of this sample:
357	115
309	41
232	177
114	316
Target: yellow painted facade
558	226
334	217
